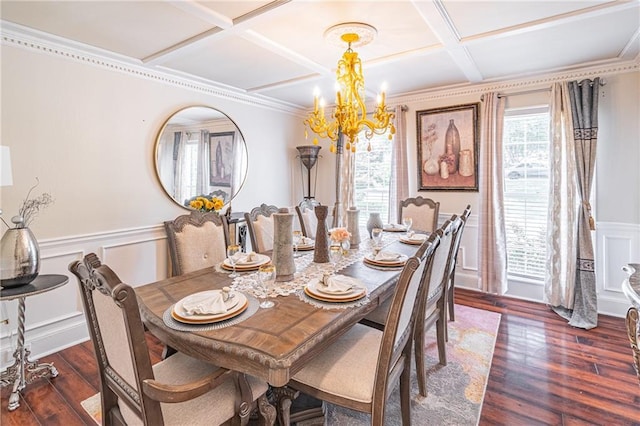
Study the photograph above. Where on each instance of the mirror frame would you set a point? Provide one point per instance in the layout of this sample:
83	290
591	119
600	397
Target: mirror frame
239	141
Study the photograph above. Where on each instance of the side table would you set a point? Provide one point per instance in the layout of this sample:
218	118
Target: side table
23	370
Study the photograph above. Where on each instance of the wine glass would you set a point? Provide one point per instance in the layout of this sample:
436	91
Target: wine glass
407	222
266	279
297	238
335	253
232	249
376	234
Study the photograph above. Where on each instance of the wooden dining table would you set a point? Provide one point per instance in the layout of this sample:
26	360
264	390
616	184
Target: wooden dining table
272	344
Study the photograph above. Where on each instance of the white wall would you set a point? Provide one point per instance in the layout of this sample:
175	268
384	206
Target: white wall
87	131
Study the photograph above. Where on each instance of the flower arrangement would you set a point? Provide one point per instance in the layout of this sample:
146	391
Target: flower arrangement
204	204
30	208
339	234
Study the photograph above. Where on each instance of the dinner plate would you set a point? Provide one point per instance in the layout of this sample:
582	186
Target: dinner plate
306	247
235	306
412	241
394	228
400	261
261	259
312	290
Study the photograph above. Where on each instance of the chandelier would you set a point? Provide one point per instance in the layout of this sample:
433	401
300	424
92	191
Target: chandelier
349	116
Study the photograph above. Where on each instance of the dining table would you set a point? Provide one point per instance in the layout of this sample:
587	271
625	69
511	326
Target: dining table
274	343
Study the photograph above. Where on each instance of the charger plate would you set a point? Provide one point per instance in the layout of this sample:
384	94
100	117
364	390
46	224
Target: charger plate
261	259
412	241
312	291
235	307
370	259
306	247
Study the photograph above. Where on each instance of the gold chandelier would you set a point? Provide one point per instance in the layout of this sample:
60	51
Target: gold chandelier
350	112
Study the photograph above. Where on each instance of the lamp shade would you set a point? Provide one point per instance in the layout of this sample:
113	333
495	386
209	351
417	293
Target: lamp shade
6	175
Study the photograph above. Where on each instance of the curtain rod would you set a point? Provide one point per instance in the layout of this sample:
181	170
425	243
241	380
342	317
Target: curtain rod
526	92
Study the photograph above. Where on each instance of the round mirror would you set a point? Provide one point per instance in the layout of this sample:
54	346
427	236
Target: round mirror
200	152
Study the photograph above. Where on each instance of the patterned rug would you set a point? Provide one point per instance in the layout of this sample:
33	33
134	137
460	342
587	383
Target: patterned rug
455	391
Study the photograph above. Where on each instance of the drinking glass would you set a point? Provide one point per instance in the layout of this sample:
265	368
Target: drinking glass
376	234
231	251
407	222
297	237
335	253
266	279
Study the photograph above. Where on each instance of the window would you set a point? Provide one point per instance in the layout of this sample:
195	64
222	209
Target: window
526	190
372	177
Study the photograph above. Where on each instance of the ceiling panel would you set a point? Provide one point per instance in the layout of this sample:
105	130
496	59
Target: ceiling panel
236	62
477	17
596	39
135	29
233	9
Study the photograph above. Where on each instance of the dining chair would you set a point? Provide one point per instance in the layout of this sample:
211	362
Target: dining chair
260	226
197	240
178	390
451	285
422	211
431	306
360	368
308	221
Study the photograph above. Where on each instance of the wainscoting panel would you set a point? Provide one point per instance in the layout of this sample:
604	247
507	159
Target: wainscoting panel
55	320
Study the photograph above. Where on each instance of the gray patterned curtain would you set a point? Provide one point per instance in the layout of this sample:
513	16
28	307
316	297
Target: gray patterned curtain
584	108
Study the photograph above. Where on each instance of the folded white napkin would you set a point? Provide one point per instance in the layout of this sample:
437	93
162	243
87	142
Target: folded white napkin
394	226
386	256
243	258
209	303
337	283
418	237
306	241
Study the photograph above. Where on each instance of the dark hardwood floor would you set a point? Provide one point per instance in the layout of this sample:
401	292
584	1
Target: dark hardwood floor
544	372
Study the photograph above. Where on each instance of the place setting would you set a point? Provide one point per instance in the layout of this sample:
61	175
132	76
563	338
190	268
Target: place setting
413	238
210	309
335	288
237	261
302	243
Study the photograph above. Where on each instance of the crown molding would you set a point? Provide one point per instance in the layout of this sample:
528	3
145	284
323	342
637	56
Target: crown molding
29	39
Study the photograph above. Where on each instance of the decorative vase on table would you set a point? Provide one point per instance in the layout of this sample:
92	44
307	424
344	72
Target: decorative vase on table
19	257
353	227
283	245
452	136
321	249
374	222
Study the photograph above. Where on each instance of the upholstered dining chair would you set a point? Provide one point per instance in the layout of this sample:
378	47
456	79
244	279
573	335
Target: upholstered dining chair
431	306
260	225
361	368
422	211
197	240
308	221
178	390
452	280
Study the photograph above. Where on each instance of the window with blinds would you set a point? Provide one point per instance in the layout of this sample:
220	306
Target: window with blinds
372	178
526	190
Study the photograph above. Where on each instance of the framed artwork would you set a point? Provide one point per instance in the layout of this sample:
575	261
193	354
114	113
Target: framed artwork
221	149
448	147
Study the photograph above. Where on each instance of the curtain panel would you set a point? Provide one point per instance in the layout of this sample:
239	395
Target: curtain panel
492	244
399	185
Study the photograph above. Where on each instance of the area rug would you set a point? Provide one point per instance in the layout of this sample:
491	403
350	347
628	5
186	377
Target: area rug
455	391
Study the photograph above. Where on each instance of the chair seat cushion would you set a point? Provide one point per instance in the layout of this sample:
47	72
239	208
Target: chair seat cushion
347	368
212	408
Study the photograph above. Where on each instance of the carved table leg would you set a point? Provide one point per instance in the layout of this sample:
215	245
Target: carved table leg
23	371
633	330
283	397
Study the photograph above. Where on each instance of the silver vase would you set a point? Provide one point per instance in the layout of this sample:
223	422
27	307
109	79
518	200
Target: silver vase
19	257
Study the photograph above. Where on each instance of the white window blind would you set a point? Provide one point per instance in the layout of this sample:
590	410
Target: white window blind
372	177
526	190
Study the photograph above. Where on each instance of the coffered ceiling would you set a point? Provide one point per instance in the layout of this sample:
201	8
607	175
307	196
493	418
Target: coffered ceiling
276	49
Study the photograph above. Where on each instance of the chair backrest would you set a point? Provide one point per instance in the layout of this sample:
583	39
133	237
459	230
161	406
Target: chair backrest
457	238
260	225
436	281
398	331
308	221
423	212
196	241
117	333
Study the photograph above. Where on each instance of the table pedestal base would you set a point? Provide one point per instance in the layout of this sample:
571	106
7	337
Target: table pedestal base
23	371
